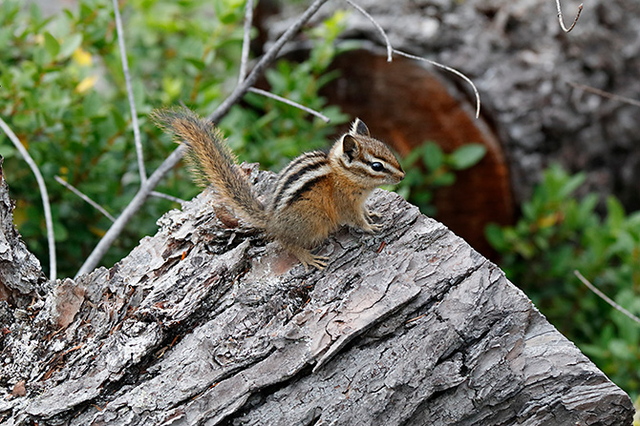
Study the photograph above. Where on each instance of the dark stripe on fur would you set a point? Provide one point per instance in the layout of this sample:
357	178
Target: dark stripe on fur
291	179
305	188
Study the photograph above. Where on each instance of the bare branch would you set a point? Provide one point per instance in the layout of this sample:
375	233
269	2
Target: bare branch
167	197
451	70
378	27
84	197
43	193
604	94
290	102
246	40
132	102
561	18
605	298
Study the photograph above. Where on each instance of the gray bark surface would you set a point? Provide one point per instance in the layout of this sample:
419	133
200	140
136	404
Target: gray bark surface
207	324
20	272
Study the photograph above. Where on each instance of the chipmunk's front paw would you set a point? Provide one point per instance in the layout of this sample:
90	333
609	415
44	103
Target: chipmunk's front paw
369	224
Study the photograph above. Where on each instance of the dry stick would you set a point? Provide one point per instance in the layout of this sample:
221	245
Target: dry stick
604	94
167	197
147	187
246	40
378	27
561	18
43	194
451	70
84	197
132	102
290	102
605	298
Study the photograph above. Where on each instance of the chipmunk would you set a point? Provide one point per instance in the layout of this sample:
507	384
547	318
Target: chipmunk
312	196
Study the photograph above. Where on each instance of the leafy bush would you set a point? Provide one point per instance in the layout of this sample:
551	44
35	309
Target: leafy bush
63	93
558	234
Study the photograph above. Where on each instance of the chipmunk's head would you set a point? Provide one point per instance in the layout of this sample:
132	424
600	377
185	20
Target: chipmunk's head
367	161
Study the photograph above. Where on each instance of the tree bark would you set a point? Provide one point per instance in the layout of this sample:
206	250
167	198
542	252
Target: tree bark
206	323
21	275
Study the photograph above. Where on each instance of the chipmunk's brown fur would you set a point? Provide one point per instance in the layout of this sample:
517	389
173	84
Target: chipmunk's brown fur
313	195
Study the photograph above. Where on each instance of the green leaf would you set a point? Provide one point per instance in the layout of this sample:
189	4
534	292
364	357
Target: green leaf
229	11
432	155
51	44
616	215
69	45
571	185
467	156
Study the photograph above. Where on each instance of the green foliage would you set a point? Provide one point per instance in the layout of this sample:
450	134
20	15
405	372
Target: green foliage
558	234
63	93
417	187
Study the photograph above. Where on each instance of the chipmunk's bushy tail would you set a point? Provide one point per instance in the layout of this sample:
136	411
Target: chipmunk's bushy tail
212	161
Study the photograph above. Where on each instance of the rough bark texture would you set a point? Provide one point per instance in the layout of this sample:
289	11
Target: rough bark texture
20	271
204	324
522	63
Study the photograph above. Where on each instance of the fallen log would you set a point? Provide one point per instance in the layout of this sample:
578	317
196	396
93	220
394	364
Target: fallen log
209	323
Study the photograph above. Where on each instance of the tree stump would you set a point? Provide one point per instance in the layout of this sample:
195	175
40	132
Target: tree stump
208	323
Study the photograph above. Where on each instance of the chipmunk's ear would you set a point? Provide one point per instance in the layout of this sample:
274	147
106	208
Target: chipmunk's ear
350	146
359	128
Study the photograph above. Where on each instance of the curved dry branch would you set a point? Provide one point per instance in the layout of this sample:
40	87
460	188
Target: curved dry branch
604	297
561	18
43	193
378	27
291	103
451	70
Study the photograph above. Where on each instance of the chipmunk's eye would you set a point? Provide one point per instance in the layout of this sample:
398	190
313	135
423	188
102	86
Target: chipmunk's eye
377	166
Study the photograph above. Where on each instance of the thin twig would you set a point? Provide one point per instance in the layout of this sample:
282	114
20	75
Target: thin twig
246	40
84	197
561	18
604	94
451	70
43	194
605	298
167	197
290	102
132	102
378	27
147	187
